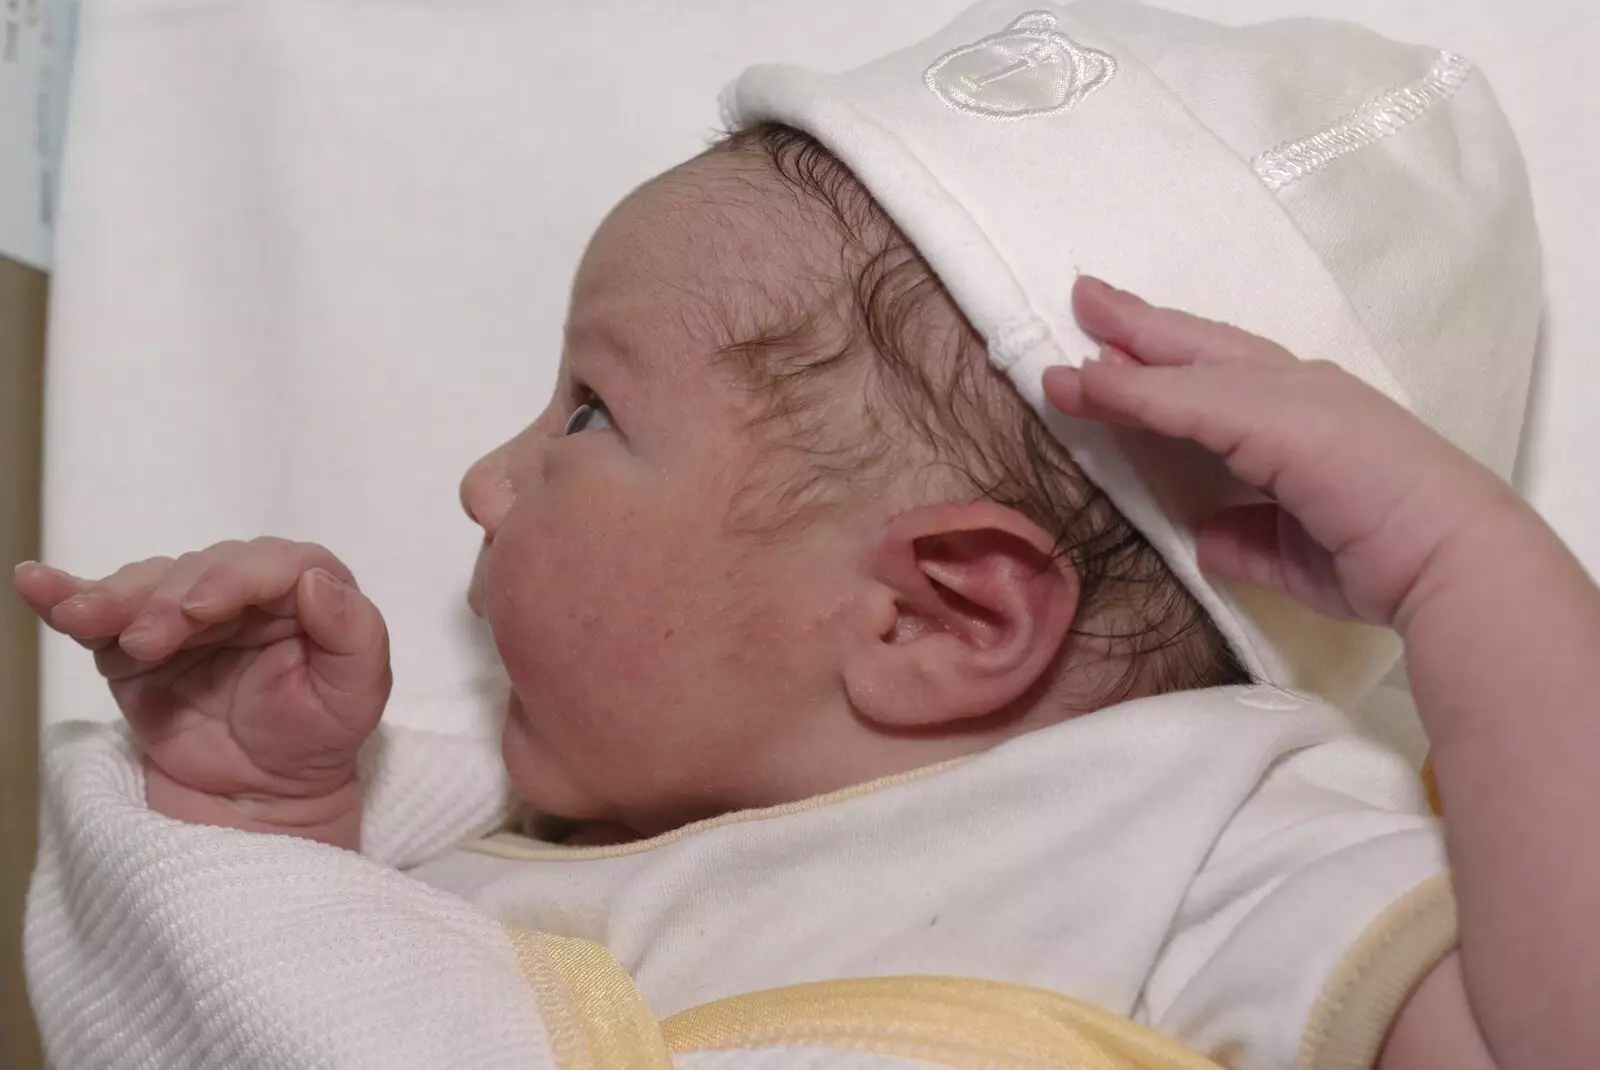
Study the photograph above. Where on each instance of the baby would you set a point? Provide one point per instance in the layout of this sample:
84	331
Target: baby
864	663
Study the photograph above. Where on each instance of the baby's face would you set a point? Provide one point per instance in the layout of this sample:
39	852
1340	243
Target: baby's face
664	666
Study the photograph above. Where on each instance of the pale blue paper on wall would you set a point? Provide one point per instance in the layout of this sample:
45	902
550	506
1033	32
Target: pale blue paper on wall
38	39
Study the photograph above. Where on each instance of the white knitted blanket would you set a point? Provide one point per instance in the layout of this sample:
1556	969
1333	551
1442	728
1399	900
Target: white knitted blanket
154	943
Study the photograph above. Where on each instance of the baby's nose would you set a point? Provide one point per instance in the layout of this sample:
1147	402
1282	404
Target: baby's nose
486	491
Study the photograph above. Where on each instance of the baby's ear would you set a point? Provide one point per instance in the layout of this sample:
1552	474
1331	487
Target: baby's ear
970	609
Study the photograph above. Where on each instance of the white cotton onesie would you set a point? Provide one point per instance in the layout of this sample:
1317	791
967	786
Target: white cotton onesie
1233	868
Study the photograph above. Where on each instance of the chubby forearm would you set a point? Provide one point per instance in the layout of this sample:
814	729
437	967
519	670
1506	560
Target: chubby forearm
332	817
1503	643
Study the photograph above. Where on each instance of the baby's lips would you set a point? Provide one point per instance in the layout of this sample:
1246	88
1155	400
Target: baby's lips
475	588
514	707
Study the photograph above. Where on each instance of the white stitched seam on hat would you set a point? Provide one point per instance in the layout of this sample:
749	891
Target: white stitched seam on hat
1378	118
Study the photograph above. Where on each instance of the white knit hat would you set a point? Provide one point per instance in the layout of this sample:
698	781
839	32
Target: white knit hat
1354	199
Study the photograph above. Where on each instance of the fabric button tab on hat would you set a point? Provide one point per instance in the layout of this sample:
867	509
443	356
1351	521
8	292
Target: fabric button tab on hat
1028	69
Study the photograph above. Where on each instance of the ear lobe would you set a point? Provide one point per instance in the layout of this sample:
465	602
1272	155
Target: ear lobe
981	609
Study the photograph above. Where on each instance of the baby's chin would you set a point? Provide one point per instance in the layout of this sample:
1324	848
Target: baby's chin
536	776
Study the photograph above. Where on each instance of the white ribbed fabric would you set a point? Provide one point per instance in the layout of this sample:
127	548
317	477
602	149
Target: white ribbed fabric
427	791
1357	200
156	945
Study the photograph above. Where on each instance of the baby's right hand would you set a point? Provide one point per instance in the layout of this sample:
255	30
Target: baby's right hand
250	674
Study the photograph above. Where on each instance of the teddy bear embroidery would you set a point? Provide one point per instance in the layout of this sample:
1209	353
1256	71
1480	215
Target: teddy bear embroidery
1029	69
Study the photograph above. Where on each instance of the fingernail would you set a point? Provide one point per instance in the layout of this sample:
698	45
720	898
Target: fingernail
76	604
141	628
1113	357
328	591
1059	377
19	566
200	596
1115	293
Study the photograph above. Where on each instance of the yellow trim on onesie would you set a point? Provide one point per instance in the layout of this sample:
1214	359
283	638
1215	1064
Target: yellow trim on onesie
520	848
597	1020
1370	986
1430	784
949	1021
594	1014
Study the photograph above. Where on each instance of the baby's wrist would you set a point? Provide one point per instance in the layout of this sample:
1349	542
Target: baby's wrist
1496	525
332	817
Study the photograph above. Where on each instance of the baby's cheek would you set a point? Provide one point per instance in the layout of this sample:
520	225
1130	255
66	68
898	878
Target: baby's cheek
574	605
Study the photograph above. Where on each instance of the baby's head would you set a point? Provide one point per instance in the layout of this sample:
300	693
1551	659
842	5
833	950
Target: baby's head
784	528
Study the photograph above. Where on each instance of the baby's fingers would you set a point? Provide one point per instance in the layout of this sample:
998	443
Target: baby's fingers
43	588
248	631
349	656
1066	390
1164	335
1257	419
220	584
263	572
92	612
1264	545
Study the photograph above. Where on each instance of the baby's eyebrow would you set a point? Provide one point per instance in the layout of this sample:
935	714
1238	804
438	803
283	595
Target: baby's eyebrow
598	336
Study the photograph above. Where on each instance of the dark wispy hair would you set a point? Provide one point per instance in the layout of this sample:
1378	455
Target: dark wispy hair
860	375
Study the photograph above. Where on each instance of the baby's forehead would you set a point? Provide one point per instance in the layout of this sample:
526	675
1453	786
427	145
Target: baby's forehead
720	237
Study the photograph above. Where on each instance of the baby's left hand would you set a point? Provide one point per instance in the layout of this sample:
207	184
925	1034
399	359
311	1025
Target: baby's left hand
1367	500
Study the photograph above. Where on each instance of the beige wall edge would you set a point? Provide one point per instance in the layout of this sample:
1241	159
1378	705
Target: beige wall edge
22	315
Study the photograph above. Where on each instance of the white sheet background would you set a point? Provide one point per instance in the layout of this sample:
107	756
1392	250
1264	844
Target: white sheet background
313	259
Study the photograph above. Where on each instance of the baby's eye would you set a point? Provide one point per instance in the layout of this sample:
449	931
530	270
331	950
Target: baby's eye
589	416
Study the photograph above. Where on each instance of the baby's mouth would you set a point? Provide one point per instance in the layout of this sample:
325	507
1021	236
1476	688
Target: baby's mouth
514	707
475	587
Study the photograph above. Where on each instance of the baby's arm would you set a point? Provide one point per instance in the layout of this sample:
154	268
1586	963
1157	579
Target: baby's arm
1503	642
1377	518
